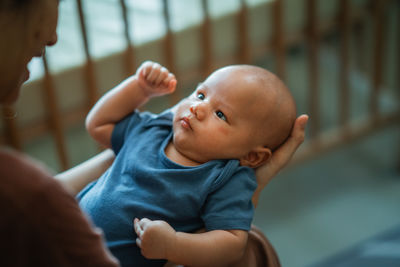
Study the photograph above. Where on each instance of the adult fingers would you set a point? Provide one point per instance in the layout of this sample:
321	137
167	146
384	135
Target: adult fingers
286	151
298	132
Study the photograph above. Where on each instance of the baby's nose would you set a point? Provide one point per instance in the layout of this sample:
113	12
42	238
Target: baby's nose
199	110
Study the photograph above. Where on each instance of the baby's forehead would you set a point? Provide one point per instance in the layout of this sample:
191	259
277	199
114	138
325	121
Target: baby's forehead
248	82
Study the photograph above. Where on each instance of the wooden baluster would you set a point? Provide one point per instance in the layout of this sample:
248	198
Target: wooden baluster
313	39
360	40
398	80
378	54
10	127
398	52
89	67
344	95
244	55
207	65
169	50
130	54
279	39
54	117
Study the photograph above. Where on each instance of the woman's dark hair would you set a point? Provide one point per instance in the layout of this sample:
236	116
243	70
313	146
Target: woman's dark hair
6	5
21	2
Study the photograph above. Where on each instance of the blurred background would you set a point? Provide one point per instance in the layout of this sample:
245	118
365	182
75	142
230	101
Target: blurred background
336	204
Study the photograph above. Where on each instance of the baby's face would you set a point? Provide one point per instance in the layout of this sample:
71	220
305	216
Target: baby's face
220	118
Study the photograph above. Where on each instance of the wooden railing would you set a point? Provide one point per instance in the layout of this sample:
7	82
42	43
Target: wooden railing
348	24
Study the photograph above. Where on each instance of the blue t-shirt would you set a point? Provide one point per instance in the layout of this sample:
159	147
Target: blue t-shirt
143	182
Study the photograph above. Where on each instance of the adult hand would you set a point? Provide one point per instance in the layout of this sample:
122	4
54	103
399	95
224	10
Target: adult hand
281	156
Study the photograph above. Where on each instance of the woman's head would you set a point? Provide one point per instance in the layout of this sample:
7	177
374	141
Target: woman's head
26	28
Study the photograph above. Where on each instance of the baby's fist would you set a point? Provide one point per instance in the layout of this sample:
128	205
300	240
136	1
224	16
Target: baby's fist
155	238
155	80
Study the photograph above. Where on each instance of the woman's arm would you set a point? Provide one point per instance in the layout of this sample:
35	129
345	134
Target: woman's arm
280	157
76	178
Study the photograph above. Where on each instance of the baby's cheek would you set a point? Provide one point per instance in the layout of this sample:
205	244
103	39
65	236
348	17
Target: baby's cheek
223	131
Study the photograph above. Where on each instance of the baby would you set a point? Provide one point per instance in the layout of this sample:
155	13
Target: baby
187	168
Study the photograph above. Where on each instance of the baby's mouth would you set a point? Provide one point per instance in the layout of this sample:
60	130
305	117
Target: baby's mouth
185	122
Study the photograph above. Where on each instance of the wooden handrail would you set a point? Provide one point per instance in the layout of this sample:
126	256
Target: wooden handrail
55	121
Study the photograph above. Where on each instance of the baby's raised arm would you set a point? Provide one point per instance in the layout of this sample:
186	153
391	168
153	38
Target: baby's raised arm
151	79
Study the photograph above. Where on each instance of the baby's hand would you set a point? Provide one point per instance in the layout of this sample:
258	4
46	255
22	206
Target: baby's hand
155	80
155	238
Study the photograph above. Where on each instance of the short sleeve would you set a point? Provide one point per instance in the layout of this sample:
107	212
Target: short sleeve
230	206
124	127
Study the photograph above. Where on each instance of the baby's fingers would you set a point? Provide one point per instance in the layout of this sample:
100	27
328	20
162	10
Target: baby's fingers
162	75
145	69
159	75
139	232
137	227
154	73
170	82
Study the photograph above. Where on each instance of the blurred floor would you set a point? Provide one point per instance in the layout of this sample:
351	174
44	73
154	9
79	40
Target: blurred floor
329	204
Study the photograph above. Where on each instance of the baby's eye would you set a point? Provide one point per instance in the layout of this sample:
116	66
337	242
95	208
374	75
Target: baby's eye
221	115
200	96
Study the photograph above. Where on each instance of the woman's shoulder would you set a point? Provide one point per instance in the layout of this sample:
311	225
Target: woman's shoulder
30	189
23	178
15	165
34	204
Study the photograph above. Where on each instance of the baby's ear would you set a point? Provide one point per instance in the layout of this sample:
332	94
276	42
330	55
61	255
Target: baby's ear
256	157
